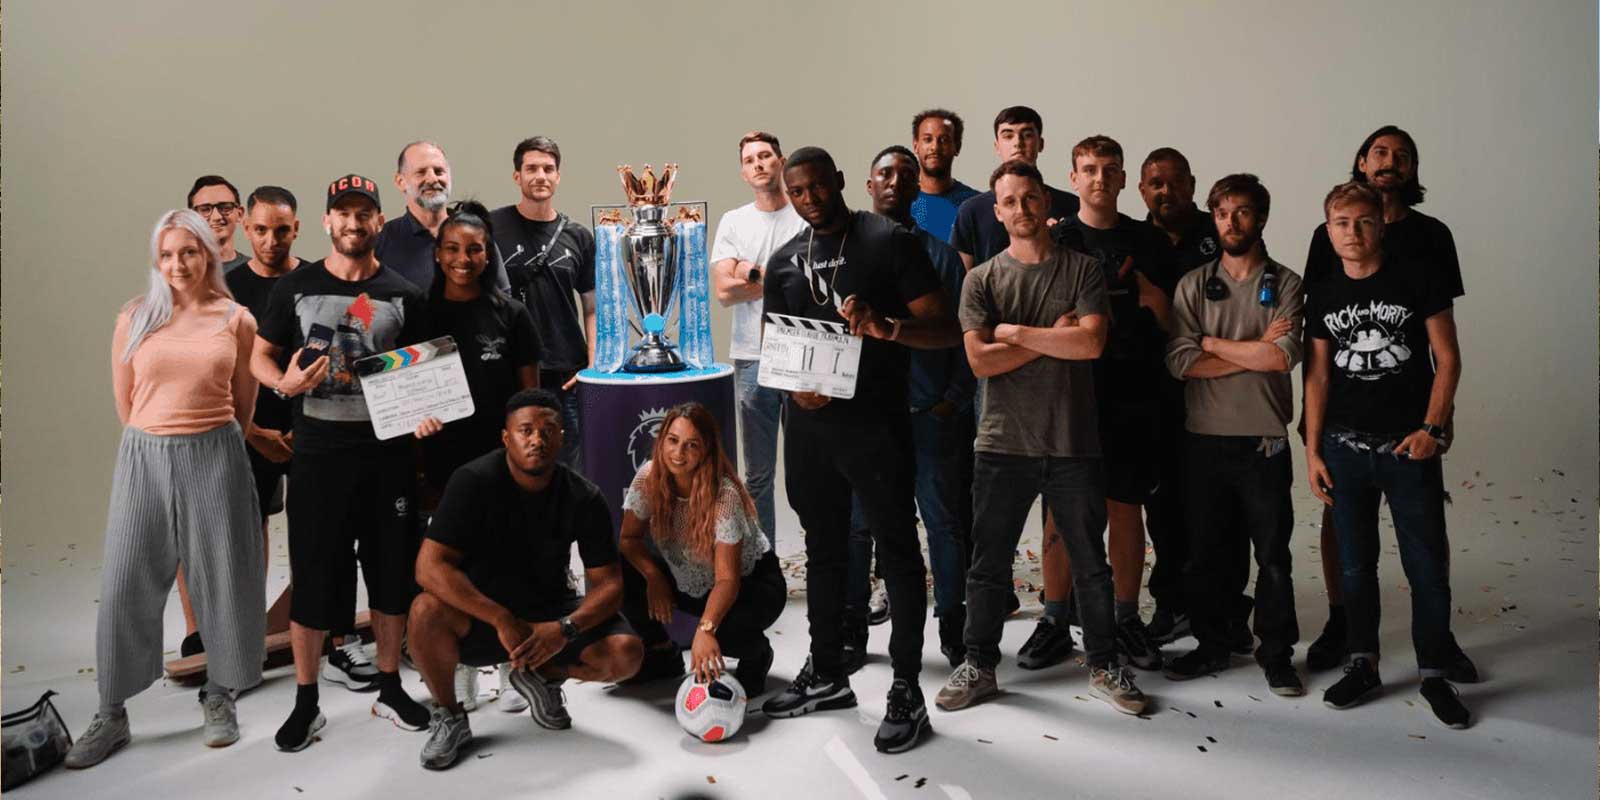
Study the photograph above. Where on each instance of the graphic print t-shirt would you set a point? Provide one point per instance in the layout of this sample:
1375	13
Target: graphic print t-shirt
368	317
547	289
1381	373
496	337
880	263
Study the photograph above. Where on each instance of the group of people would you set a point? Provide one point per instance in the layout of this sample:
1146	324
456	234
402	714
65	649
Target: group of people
1018	343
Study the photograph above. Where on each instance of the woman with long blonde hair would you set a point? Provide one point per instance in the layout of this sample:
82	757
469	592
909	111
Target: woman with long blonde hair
182	489
710	556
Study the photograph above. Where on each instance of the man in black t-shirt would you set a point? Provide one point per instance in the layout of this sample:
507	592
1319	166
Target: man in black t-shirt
1136	262
1167	186
874	276
1387	161
1375	409
345	486
549	258
493	571
978	235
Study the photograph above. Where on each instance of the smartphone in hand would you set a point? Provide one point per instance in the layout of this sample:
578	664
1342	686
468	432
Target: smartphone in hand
318	340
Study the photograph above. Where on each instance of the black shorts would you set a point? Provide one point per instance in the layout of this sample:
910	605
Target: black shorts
481	646
338	501
1131	444
269	481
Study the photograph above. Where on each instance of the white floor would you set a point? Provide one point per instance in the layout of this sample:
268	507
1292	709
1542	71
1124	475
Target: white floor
1525	589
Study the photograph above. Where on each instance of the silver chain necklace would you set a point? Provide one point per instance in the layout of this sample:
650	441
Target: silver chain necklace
811	237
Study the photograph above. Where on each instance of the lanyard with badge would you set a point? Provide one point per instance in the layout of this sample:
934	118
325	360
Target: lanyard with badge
800	354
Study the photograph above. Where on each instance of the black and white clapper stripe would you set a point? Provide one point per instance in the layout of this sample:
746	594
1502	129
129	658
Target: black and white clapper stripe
808	324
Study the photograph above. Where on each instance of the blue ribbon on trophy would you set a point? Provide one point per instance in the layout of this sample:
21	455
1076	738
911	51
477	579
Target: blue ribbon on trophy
652	279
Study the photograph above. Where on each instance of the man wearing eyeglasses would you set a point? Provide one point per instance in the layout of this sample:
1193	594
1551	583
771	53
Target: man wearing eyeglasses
217	202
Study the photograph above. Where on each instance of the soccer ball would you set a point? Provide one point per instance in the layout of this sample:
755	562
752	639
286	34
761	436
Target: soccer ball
711	712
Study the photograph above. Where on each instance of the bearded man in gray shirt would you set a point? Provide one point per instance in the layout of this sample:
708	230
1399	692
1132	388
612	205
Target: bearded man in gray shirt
1235	338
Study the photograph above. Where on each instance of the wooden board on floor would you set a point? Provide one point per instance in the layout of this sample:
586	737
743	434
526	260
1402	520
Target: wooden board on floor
192	669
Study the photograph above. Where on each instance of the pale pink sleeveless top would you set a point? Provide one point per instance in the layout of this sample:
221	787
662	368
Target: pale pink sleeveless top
184	384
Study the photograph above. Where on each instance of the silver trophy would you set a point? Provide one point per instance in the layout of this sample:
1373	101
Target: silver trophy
651	267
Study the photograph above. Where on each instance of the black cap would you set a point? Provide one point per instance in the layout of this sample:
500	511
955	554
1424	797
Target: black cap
353	184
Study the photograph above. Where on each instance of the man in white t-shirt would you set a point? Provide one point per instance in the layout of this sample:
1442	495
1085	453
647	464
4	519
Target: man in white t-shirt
746	237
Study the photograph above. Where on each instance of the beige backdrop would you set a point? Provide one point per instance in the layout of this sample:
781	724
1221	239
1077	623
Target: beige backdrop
112	108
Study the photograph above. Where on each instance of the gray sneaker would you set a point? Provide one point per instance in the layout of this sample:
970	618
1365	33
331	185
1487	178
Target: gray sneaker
969	684
1115	686
222	723
546	702
105	736
447	733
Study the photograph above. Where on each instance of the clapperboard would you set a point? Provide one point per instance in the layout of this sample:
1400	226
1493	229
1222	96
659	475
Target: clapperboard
799	354
409	384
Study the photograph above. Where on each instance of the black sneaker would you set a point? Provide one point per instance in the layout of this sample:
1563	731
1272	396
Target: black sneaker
1196	663
191	645
952	630
1283	680
300	729
348	666
1134	645
1461	669
1049	645
398	707
659	663
752	671
1329	650
810	692
1360	680
1446	703
906	720
853	653
1168	626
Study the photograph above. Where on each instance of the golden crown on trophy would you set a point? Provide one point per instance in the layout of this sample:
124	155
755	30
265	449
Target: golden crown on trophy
648	190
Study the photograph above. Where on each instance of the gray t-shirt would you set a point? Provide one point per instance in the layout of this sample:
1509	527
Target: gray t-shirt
1245	403
1047	406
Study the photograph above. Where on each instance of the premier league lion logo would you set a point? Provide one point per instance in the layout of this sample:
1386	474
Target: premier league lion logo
642	441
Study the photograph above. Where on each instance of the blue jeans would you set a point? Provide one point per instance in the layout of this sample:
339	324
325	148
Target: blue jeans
1003	490
943	447
1415	491
760	410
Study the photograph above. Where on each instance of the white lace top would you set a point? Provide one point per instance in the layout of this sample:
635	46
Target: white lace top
734	526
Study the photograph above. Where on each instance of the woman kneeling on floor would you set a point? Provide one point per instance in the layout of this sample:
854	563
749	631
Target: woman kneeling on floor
709	558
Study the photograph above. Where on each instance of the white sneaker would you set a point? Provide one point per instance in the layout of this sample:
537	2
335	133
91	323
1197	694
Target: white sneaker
878	606
509	701
467	687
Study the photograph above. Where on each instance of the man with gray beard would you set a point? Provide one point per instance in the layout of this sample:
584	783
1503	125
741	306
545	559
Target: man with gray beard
405	245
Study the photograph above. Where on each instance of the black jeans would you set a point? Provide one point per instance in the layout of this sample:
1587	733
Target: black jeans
1003	490
944	501
1164	514
743	632
1415	491
1238	498
825	460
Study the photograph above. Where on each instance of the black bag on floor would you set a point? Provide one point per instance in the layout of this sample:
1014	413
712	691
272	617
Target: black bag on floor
34	739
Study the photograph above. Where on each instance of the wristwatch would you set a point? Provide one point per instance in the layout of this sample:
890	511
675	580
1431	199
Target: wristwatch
1433	431
707	626
279	392
569	629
